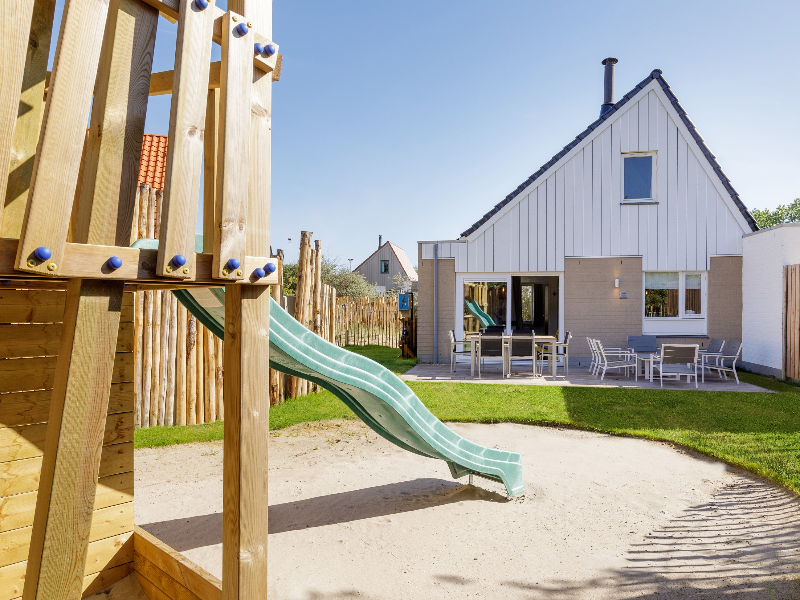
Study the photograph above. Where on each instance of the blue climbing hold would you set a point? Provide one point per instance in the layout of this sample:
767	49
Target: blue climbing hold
241	29
269	49
259	273
5	282
270	267
259	48
233	264
42	253
201	4
115	262
179	259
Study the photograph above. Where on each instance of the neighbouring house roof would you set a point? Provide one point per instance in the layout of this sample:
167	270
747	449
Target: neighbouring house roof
402	258
153	165
654	75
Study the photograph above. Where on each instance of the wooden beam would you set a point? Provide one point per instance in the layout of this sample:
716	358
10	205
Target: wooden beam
161	82
178	212
260	62
13	49
55	171
246	451
85	261
76	425
107	202
29	120
233	158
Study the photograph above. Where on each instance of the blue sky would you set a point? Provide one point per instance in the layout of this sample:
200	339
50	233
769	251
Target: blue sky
412	119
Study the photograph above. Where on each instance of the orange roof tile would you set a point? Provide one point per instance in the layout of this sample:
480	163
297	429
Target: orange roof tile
154	160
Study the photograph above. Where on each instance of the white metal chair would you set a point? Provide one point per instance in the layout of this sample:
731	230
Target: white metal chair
709	355
677	360
595	356
454	351
725	362
613	358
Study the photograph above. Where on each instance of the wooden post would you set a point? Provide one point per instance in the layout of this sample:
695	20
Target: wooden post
276	380
210	376
218	372
191	372
171	354
245	517
166	315
317	287
155	385
180	366
201	378
210	146
75	428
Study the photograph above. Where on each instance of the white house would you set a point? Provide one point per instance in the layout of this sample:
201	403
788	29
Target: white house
388	265
632	228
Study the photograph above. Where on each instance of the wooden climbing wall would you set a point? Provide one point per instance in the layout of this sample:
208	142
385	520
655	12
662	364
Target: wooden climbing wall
30	334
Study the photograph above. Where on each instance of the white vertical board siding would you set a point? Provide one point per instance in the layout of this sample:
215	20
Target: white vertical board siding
575	209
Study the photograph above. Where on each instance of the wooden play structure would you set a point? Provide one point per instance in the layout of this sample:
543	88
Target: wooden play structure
67	221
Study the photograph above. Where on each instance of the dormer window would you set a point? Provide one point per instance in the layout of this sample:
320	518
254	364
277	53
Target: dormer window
638	169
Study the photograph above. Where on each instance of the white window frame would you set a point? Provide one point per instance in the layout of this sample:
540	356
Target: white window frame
653	181
683	324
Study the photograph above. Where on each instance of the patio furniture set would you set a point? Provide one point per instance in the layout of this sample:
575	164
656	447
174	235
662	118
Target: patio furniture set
672	361
517	346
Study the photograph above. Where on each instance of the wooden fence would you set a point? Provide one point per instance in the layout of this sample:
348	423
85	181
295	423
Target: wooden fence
365	321
792	328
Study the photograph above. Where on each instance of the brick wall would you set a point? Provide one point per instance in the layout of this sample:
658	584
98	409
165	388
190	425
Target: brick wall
446	306
725	298
592	306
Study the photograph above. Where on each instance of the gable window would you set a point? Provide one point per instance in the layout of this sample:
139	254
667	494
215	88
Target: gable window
638	170
384	266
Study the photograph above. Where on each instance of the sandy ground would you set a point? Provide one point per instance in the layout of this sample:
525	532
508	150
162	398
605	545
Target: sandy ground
352	516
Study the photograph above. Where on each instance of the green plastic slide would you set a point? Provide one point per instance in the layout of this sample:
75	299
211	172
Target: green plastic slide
375	394
484	319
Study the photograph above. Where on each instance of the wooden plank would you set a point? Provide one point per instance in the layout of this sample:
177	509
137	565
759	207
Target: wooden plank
17	341
246	451
115	552
104	523
233	158
178	213
180	365
114	145
27	408
210	158
90	262
219	377
44	306
201	378
138	342
55	170
28	441
177	567
258	209
28	116
61	529
155	386
169	417
39	373
161	82
20	476
13	51
147	361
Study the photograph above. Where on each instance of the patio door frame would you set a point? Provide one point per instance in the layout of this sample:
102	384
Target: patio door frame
484	277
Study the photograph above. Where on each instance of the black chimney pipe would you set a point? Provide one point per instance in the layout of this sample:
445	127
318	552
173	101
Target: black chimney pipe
380	241
608	87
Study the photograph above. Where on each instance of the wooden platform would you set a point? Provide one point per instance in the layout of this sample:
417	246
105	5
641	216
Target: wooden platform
578	376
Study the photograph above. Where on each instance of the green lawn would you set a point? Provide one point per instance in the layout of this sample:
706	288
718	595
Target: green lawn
760	432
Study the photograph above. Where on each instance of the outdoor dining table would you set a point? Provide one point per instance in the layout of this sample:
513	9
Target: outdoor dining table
647	359
544	340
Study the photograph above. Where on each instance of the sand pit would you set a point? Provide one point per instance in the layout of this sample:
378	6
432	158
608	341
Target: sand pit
352	516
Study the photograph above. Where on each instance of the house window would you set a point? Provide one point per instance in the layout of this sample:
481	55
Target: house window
384	266
638	181
674	295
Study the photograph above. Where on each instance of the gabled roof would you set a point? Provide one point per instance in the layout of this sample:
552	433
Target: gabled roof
654	75
153	165
402	258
